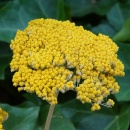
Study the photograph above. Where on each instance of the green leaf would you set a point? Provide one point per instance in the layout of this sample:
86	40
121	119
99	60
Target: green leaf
124	82
80	8
59	121
121	121
104	28
35	100
70	108
104	122
5	58
42	116
115	17
93	121
16	14
99	120
124	34
20	118
123	54
63	12
125	6
59	118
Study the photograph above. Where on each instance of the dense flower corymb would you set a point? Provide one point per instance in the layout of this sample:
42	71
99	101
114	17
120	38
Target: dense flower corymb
3	117
51	56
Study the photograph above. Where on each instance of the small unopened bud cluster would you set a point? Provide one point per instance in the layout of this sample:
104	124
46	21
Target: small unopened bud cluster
52	56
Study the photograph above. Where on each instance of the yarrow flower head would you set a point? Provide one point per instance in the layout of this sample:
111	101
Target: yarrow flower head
3	117
52	56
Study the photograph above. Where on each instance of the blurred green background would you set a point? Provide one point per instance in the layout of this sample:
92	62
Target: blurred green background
27	111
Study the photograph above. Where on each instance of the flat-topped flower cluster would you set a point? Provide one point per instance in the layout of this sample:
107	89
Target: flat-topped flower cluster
52	56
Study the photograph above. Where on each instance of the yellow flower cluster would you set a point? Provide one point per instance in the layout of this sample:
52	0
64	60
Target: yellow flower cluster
52	56
3	117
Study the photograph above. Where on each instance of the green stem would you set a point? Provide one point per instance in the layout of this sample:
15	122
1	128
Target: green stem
49	117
